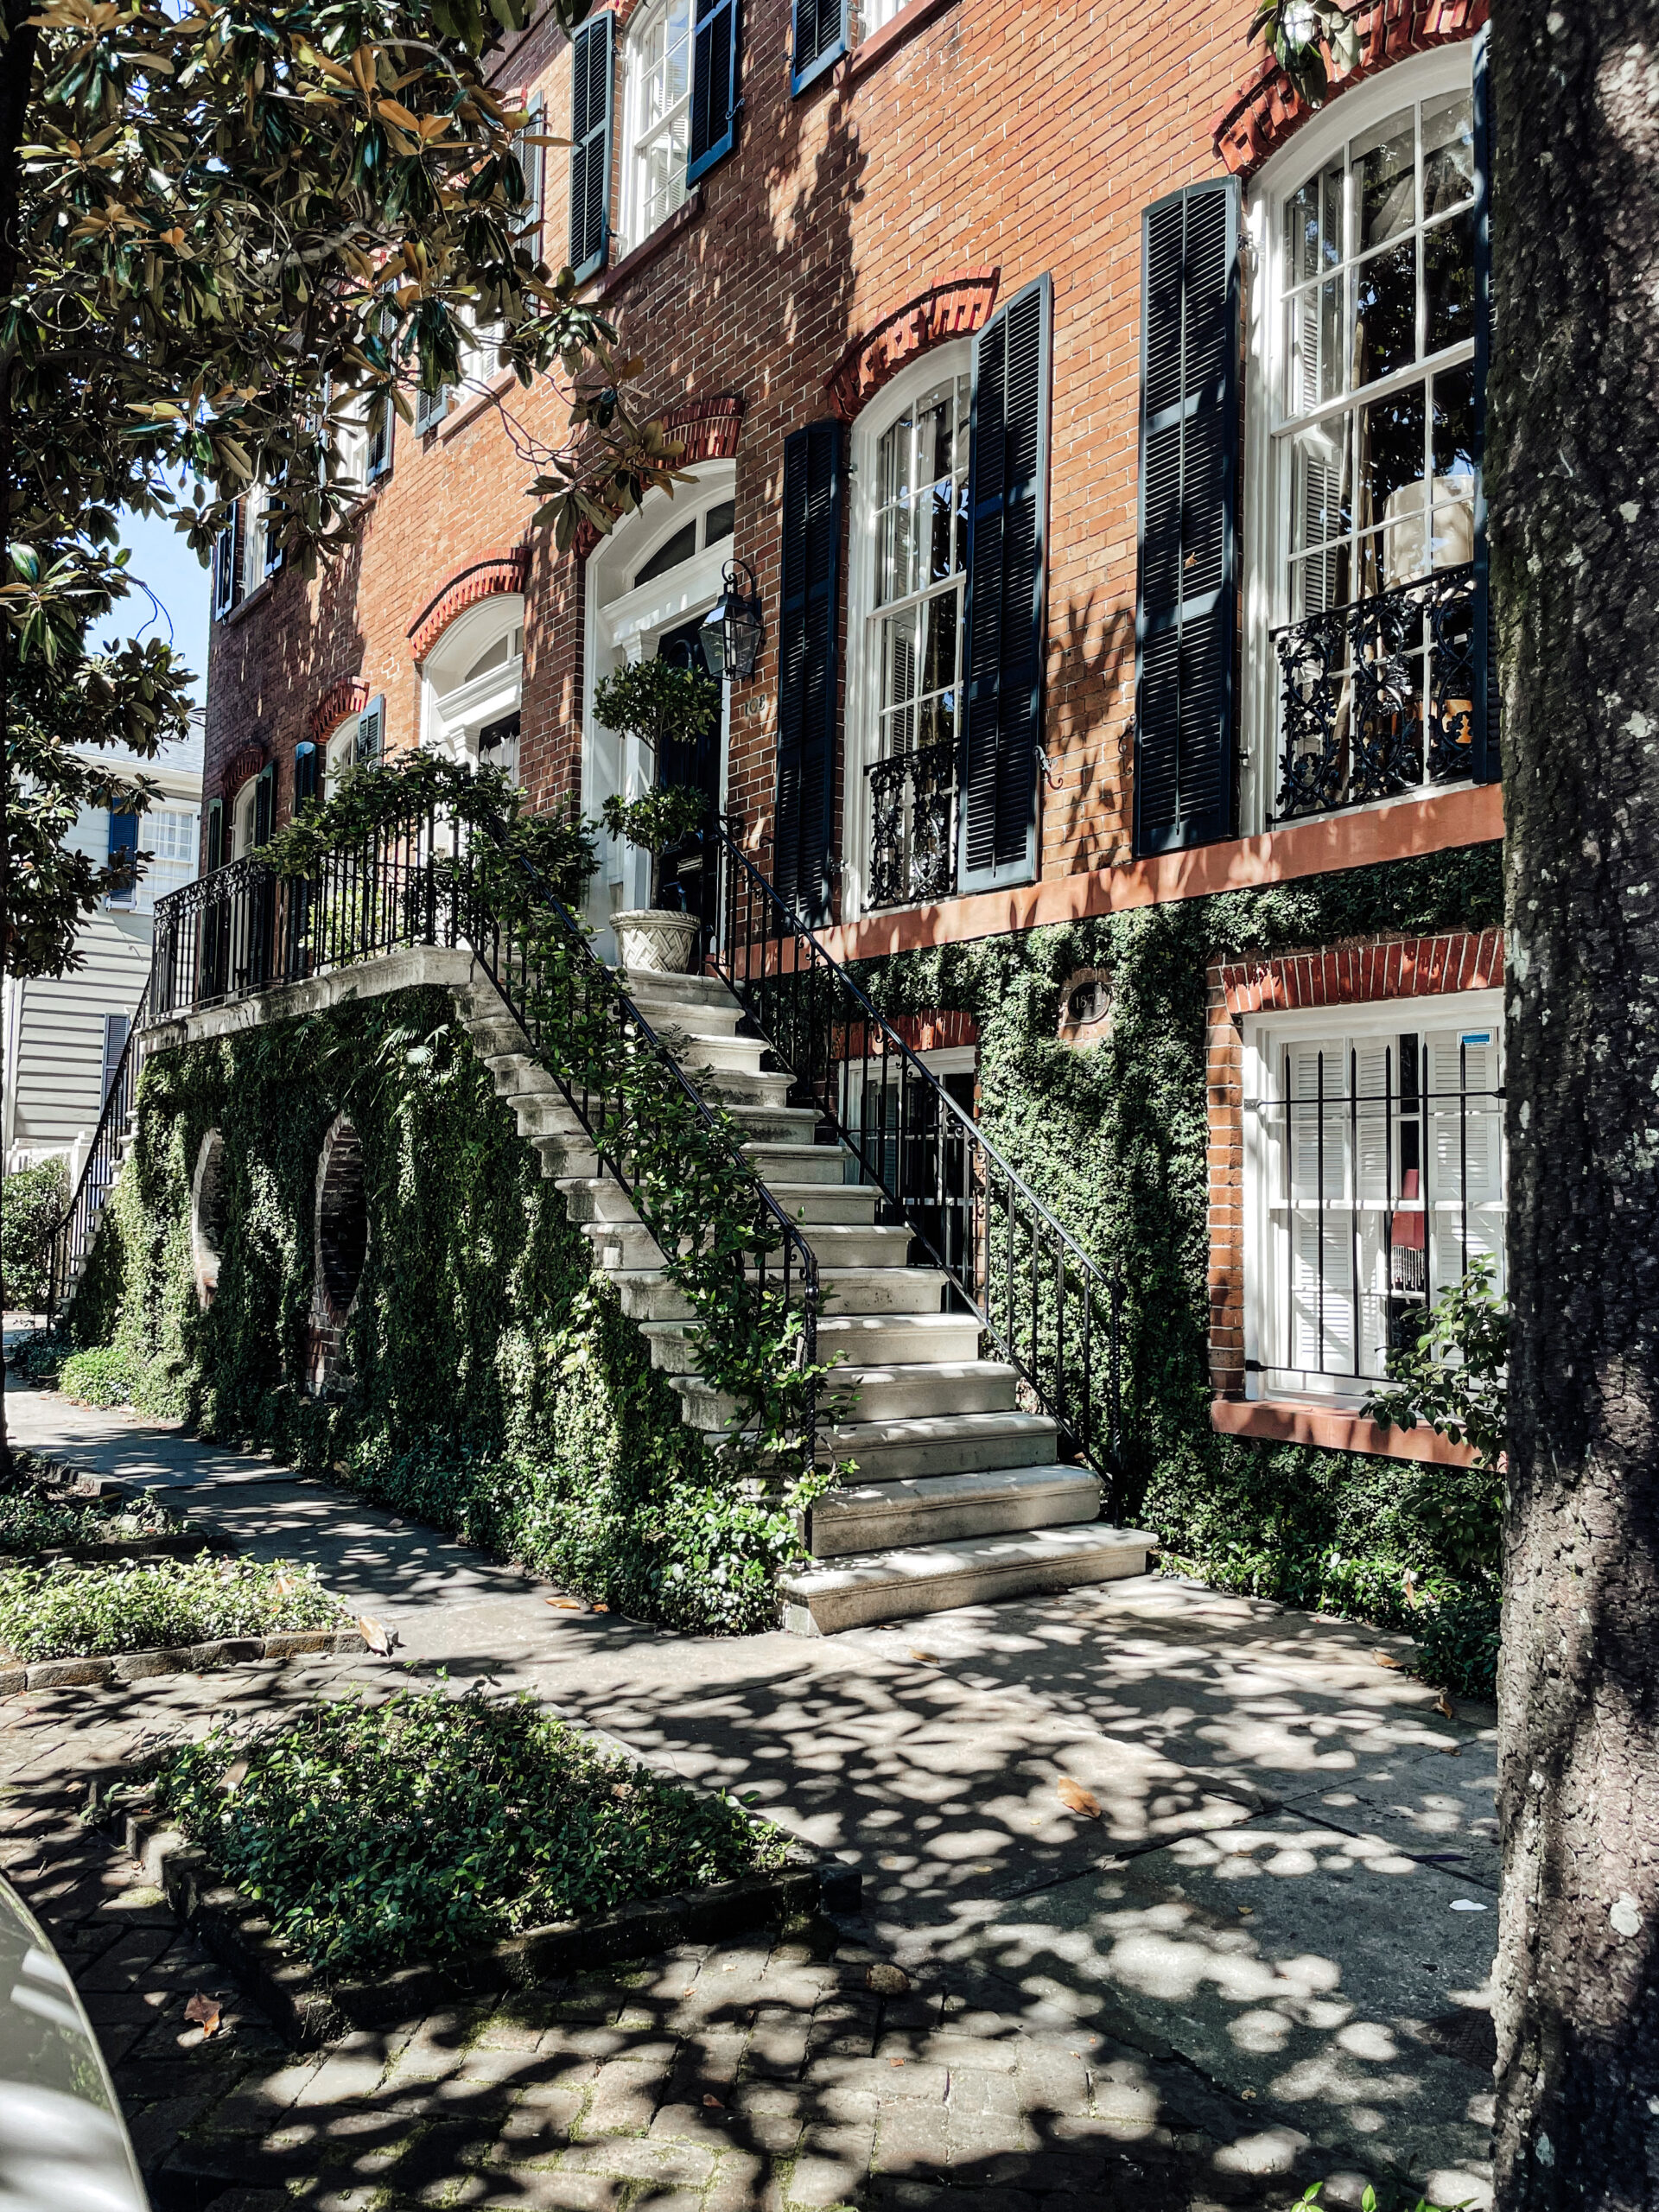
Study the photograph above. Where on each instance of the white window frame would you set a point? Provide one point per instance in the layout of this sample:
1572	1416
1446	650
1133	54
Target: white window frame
1267	480
1265	1039
241	813
623	623
455	705
168	872
938	365
633	228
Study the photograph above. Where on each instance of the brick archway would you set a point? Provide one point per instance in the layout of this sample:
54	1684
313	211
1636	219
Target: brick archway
955	308
347	696
1267	109
708	430
506	572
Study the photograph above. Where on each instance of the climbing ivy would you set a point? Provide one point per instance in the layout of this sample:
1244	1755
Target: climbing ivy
489	1383
1114	1138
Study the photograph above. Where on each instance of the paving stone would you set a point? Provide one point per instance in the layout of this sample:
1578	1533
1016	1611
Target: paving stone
624	2097
541	2130
742	2182
643	2159
777	2043
973	2092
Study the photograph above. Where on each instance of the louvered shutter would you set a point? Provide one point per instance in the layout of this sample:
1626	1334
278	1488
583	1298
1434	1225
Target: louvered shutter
215	836
807	669
1186	607
371	741
305	774
1008	515
819	42
227	566
713	86
593	77
1488	762
124	857
377	460
264	804
431	407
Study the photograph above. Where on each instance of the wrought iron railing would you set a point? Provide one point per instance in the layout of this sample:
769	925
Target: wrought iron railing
1379	697
912	807
1049	1309
427	879
72	1238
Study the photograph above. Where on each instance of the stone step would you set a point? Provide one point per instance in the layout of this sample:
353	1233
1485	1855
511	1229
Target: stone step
596	1197
798	1163
769	1124
832	1244
736	1087
517	1074
545	1113
497	1032
652	983
722	1056
940	1509
862	1339
913	1580
670	1016
646	1295
564	1157
859	1395
937	1444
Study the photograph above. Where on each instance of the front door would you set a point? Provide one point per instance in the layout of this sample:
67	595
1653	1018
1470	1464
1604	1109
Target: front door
683	882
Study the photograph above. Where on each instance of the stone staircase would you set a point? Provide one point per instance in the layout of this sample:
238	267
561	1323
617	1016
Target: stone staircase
957	1496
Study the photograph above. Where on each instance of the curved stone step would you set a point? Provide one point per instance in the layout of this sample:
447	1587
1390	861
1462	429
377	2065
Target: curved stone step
939	1509
942	1389
833	1245
938	1444
901	1583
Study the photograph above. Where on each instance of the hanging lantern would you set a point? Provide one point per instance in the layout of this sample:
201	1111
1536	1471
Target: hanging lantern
732	629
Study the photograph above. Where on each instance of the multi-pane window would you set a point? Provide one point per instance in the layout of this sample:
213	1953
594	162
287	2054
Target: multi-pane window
1376	411
658	79
169	833
1380	1177
915	644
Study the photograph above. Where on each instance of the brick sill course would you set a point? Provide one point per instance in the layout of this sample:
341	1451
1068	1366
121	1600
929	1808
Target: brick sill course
611	280
1283	1421
915	15
309	2011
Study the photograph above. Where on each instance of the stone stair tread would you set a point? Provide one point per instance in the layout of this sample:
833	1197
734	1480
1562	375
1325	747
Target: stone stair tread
924	1509
913	1579
928	1428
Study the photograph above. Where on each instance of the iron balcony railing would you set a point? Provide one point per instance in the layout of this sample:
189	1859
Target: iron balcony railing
427	879
1378	697
1052	1311
72	1238
913	810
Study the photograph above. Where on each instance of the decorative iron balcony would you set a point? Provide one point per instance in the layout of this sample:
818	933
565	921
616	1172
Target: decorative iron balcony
914	826
1379	697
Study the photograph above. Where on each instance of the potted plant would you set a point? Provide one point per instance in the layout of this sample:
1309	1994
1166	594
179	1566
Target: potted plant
662	706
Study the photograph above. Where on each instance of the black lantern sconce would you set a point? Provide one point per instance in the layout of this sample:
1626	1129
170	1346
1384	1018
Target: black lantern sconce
732	629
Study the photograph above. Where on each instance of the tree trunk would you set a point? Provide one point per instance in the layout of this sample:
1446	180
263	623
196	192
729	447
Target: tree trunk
1573	472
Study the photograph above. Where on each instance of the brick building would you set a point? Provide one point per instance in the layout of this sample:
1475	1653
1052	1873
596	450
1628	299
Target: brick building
1103	431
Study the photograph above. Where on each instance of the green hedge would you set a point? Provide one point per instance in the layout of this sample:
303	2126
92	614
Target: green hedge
1115	1139
32	1200
490	1384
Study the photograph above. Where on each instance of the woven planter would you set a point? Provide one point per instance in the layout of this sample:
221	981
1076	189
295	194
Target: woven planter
654	941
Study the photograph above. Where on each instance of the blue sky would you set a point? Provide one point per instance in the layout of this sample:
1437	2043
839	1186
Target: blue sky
166	564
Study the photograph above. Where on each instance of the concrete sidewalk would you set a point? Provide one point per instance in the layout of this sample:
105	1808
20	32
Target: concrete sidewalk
1272	1900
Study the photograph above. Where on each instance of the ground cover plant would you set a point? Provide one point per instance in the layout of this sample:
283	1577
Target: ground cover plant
429	1824
89	1612
34	1517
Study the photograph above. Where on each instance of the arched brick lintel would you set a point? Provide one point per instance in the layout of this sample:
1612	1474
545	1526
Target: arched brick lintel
247	761
1267	109
708	430
483	580
952	309
1360	974
349	696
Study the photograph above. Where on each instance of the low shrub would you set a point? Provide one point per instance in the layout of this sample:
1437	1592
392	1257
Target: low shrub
111	1375
33	1520
32	1201
91	1611
373	1835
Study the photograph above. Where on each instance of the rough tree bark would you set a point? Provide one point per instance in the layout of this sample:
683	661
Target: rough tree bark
1574	484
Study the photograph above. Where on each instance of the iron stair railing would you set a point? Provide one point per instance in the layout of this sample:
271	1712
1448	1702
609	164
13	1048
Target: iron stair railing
77	1227
1051	1311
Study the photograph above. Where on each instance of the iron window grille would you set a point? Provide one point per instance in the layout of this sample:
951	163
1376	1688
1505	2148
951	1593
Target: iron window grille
1383	1178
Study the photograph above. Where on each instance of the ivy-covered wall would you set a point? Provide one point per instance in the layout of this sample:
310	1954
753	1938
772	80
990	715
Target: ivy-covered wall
489	1384
1114	1138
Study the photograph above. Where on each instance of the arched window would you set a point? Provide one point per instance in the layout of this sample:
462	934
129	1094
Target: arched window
656	119
473	684
1365	444
908	555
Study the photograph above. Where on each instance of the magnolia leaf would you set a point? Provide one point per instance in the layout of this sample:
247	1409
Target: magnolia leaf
204	2012
1386	1659
378	1639
1444	1707
712	2102
1079	1799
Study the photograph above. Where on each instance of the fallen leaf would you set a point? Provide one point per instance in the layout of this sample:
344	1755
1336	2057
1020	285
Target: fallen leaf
887	1980
1382	1659
235	1775
602	1608
1248	2093
567	1605
1080	1800
1466	1904
375	1634
895	2061
1451	1750
927	1657
712	2102
203	2011
1246	1910
285	1586
1444	1707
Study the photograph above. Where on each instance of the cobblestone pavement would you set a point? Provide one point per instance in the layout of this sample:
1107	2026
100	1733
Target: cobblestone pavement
741	2078
1254	1965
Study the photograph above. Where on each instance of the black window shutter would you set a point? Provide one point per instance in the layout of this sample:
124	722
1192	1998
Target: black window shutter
371	740
1186	608
305	774
215	836
803	832
713	86
592	80
264	804
1488	763
819	42
1007	523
